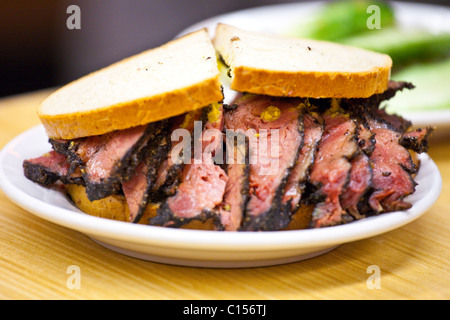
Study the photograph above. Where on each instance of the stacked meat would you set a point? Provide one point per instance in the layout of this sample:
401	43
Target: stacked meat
255	163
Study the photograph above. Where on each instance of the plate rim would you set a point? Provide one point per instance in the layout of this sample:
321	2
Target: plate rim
207	239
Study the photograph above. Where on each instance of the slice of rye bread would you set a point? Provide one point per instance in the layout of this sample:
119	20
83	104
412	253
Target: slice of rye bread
177	77
283	66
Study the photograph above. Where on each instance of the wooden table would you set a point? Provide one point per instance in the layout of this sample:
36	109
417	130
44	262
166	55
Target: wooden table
35	255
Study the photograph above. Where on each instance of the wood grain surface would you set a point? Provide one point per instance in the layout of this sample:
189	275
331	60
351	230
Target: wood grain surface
36	255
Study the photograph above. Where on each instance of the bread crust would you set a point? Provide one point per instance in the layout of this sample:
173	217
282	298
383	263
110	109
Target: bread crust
301	218
133	113
311	84
113	207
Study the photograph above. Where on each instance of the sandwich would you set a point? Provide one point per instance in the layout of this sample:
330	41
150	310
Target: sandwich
304	142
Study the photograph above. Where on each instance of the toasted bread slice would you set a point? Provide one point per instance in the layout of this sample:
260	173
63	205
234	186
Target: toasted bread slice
292	67
159	83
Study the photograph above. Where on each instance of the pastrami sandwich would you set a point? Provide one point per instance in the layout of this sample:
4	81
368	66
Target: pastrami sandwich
304	144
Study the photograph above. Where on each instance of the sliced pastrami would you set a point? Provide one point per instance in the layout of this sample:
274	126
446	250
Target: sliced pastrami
313	130
109	159
392	169
366	138
358	186
331	170
395	121
139	188
274	128
200	192
116	158
236	190
360	181
51	168
170	171
416	140
392	164
202	184
135	192
69	148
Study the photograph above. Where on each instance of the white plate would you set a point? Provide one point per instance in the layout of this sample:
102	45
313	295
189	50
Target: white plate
282	18
197	247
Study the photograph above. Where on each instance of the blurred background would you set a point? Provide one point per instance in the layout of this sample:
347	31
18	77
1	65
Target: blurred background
39	51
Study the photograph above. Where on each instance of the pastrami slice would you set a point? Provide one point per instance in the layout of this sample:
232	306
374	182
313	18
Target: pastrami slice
313	130
117	158
358	186
139	189
331	170
197	196
361	173
109	159
50	168
201	188
235	198
274	127
170	171
391	163
392	169
135	190
416	140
